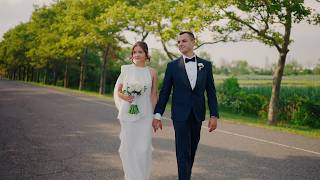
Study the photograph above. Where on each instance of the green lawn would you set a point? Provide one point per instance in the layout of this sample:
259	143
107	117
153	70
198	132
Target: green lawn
258	122
84	92
251	80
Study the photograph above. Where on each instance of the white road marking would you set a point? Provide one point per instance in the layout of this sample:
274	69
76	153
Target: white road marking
265	141
258	139
219	130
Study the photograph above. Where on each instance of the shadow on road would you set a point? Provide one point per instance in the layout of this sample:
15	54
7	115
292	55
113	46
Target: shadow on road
217	163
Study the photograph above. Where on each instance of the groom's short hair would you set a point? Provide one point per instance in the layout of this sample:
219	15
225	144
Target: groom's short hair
189	33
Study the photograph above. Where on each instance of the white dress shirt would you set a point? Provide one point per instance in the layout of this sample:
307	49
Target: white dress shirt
191	69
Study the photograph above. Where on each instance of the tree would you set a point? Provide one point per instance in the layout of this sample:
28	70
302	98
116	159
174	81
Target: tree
269	22
109	26
78	29
316	70
47	50
13	51
166	18
154	17
240	67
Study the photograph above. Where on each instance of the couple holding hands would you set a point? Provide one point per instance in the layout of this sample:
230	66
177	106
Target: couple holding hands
140	109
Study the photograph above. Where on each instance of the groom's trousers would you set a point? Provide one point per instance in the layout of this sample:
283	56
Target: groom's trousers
187	135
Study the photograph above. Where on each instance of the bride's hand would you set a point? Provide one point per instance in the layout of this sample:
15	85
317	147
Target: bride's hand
126	98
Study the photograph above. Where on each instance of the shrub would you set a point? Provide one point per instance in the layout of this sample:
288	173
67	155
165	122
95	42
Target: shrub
297	105
251	103
301	111
232	98
227	94
296	110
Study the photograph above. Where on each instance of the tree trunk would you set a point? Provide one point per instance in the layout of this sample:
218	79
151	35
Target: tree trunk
16	77
37	76
83	70
144	35
277	77
32	74
26	73
169	54
66	76
19	73
14	74
103	71
55	76
45	78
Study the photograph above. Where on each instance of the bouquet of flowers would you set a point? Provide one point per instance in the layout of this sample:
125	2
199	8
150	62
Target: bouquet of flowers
134	90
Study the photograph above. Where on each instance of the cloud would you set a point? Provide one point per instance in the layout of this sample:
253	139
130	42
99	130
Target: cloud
10	2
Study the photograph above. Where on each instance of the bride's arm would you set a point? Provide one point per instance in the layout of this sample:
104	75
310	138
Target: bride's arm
154	88
123	96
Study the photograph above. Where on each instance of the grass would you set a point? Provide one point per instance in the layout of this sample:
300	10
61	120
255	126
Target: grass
253	80
258	122
311	92
83	92
225	116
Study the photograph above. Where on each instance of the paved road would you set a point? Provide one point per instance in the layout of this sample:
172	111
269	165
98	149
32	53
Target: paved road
47	134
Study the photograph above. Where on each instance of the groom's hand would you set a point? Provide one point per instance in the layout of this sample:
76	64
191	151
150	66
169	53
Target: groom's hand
156	124
212	124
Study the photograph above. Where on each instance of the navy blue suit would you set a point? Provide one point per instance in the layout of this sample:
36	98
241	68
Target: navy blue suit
188	108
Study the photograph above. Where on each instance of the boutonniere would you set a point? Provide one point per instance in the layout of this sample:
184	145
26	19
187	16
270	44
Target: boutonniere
200	66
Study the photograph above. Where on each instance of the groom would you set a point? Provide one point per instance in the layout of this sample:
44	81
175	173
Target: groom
189	76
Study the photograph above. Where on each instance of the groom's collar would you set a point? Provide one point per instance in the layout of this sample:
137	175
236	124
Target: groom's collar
184	56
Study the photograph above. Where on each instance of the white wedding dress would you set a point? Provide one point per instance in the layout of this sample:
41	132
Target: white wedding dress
136	130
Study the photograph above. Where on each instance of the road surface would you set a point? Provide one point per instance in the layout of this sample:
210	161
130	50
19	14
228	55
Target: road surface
46	134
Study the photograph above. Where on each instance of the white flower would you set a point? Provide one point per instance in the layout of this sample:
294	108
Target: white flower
200	66
135	89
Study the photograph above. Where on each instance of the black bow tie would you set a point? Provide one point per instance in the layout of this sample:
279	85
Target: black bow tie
190	60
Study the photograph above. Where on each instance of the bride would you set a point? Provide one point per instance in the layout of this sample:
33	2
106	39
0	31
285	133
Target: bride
135	96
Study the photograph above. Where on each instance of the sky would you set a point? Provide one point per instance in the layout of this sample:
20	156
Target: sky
305	49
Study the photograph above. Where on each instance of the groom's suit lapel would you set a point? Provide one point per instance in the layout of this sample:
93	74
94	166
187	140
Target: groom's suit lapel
183	73
200	73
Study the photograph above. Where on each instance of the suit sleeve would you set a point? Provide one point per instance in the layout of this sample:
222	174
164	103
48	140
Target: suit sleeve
164	92
211	93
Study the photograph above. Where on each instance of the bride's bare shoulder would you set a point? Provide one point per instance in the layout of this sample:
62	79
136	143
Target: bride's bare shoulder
153	72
